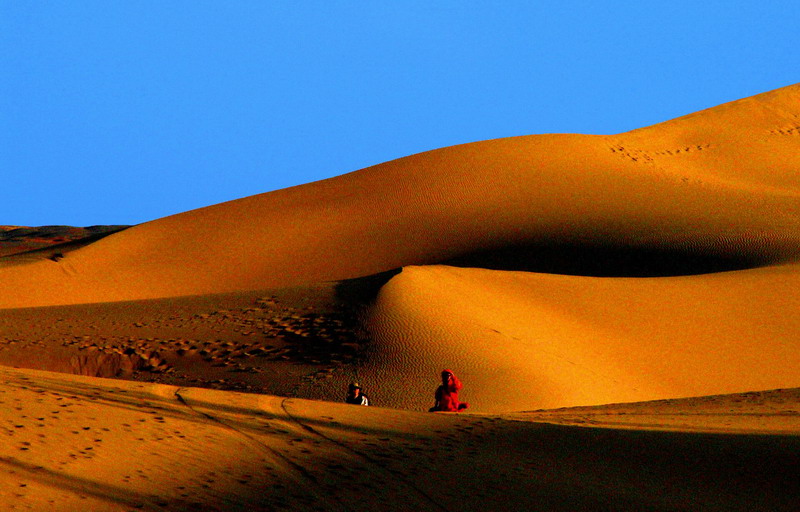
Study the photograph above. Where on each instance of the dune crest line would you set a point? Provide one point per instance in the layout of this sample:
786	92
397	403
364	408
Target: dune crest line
652	186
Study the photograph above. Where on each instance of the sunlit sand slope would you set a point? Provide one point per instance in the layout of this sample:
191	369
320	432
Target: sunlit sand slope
522	340
721	183
77	443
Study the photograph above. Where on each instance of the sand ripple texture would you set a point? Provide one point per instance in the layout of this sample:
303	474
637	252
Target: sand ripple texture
520	340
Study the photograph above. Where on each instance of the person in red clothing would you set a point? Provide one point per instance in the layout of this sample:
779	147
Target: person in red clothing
447	394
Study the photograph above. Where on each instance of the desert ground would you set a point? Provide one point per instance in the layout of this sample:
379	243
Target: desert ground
621	310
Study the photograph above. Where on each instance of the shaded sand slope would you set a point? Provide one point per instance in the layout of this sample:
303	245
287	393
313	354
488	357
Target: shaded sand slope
518	340
774	411
721	183
48	240
273	342
24	246
77	443
523	340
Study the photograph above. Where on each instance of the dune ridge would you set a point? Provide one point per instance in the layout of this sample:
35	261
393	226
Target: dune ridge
548	271
525	340
724	179
694	223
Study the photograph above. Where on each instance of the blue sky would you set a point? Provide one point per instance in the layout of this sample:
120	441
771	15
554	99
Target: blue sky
124	112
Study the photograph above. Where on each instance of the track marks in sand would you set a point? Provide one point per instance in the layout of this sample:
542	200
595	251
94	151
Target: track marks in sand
649	156
376	464
124	447
222	456
235	342
305	480
518	465
790	130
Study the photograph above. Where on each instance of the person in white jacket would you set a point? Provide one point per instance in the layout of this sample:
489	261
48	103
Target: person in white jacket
355	395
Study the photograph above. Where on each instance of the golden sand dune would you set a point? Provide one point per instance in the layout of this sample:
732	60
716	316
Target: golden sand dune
519	340
722	183
547	271
692	226
78	443
525	340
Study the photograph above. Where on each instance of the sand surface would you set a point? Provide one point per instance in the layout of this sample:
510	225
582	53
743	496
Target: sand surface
78	443
654	270
757	412
289	342
527	340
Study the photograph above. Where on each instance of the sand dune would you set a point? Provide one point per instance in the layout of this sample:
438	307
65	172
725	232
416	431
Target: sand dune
721	182
546	270
691	225
526	340
544	340
78	443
